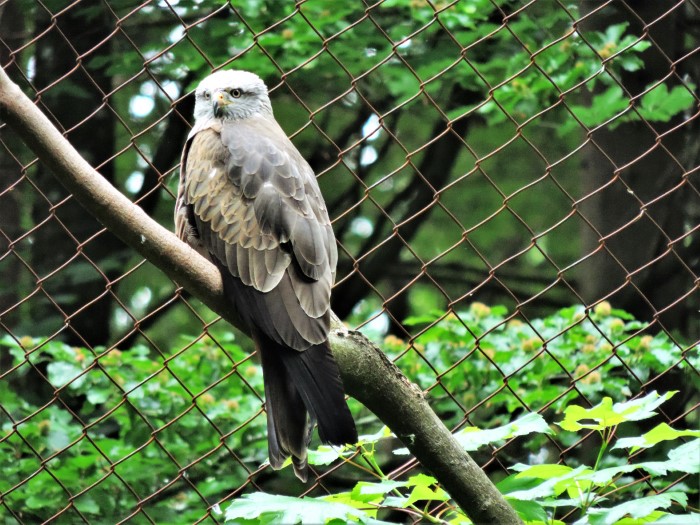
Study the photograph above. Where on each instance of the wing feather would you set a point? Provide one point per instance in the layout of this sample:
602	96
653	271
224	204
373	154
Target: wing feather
277	261
313	295
310	329
261	215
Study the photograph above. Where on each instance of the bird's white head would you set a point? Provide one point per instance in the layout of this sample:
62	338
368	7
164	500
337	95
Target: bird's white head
231	94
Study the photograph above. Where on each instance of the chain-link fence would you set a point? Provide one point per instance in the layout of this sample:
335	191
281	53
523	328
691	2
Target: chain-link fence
537	157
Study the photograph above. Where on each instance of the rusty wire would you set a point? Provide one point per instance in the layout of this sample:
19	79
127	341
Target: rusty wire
48	208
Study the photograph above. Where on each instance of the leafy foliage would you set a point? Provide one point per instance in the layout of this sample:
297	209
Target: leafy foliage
404	59
538	492
266	508
124	423
185	426
546	362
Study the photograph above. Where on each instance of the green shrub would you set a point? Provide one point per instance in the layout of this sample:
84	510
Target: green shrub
108	434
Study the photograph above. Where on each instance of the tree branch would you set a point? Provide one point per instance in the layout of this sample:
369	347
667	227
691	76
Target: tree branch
367	373
169	150
434	170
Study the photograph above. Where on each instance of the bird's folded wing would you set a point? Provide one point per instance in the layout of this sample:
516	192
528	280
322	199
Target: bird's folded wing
260	213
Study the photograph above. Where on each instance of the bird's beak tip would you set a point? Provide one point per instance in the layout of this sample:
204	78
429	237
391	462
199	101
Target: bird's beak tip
220	101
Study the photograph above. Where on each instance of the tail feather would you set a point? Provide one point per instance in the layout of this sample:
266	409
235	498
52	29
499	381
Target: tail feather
288	428
317	379
297	383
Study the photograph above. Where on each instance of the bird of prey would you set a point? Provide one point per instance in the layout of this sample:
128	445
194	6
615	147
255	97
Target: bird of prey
249	202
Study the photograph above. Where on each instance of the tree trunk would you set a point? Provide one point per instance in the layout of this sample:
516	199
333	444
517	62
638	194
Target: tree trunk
11	29
635	270
433	173
72	102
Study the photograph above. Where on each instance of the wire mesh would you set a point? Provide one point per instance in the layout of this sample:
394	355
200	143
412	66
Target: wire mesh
512	157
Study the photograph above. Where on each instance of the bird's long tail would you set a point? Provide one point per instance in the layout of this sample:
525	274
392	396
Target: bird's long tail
297	383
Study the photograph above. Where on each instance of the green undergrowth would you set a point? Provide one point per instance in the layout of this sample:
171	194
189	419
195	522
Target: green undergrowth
601	493
566	403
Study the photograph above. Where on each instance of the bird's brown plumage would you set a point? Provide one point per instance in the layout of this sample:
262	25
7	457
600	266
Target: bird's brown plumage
249	201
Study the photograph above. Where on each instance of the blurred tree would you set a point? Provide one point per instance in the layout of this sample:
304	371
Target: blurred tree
449	157
649	249
77	100
12	27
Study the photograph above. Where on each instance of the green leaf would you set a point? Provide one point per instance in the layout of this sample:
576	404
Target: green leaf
365	491
637	508
677	462
88	505
422	490
679	457
97	396
545	471
35	502
382	433
57	439
421	479
513	483
642	45
471	438
651	518
603	476
455	517
608	415
325	454
61	373
661	432
423	319
679	519
614	32
346	498
643	407
553	484
662	105
528	510
603	107
270	508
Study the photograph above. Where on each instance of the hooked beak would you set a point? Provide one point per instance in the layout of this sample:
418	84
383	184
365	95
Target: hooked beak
221	100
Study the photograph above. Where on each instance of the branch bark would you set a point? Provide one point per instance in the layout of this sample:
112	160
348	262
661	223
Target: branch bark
367	373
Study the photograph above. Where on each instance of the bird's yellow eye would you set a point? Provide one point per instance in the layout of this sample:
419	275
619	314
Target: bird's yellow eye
235	93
